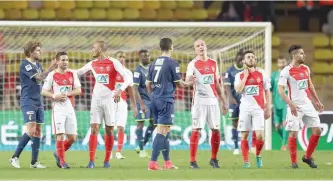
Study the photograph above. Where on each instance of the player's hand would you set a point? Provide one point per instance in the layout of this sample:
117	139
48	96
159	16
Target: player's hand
143	108
53	65
224	109
135	111
60	97
293	108
246	73
117	96
233	101
319	106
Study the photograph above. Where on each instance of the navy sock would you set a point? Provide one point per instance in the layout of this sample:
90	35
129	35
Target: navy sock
139	137
35	149
235	137
148	133
166	151
158	145
20	147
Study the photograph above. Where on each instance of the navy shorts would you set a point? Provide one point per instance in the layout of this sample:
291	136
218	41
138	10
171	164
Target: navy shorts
33	114
163	112
143	116
234	111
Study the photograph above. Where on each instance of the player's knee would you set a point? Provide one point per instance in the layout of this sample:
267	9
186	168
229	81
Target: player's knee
277	126
60	137
293	134
38	131
215	130
94	129
244	135
235	123
71	139
196	130
260	136
316	131
120	129
139	125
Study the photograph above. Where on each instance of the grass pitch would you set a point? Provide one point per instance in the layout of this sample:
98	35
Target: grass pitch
276	166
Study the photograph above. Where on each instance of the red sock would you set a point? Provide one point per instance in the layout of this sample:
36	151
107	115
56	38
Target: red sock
313	142
254	139
109	140
245	150
61	151
194	140
121	135
293	149
215	143
92	147
259	146
67	145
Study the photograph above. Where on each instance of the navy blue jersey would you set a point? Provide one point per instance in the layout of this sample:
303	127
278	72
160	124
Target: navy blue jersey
164	73
230	79
30	86
139	79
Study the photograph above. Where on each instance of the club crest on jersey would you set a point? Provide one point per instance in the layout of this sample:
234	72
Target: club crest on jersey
251	81
101	69
206	69
118	78
108	68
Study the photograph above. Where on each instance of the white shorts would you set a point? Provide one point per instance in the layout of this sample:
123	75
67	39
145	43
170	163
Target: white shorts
306	114
251	120
209	114
103	110
121	113
64	123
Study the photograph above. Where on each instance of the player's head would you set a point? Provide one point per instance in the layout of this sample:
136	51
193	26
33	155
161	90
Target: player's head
62	60
297	53
281	62
200	48
239	58
33	50
249	58
144	57
166	45
99	48
121	56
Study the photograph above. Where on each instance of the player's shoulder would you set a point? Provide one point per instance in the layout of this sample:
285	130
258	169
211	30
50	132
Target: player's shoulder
128	70
212	60
305	67
286	69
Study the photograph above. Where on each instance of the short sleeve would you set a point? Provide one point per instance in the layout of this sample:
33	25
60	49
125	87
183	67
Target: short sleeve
228	78
84	69
48	83
237	79
267	81
28	70
77	83
217	72
284	75
175	72
190	69
131	75
137	76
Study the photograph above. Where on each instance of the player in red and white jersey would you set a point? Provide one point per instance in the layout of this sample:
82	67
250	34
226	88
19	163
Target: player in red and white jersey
62	85
121	108
296	77
104	97
207	95
254	85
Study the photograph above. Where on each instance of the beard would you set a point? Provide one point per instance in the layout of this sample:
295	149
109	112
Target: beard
250	65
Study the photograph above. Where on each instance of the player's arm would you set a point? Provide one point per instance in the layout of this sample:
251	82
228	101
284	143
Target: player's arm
84	69
131	92
227	87
122	71
46	90
219	87
240	84
77	86
136	82
281	87
318	104
33	73
148	86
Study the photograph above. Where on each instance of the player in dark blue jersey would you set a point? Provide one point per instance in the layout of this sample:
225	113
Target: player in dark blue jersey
163	77
143	104
234	98
31	77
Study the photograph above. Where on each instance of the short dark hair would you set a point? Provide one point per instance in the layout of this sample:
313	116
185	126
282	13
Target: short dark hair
143	51
30	47
165	44
60	54
246	52
292	48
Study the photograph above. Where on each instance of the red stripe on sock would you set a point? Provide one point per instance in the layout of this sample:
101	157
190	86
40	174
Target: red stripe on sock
245	150
292	149
61	151
259	146
313	142
121	135
215	143
194	140
109	141
92	147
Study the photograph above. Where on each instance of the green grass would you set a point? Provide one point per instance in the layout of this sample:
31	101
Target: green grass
276	166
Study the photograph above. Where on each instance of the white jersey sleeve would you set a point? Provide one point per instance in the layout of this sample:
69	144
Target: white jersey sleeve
86	68
217	72
131	77
190	69
48	82
77	83
284	75
237	79
121	70
267	81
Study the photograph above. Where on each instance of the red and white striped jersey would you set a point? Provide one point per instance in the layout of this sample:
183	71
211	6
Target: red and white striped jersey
207	75
105	72
297	81
120	81
62	83
253	95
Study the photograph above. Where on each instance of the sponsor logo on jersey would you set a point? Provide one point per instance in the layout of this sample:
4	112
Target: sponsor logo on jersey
208	79
252	90
302	84
102	78
159	61
136	75
66	88
118	85
28	68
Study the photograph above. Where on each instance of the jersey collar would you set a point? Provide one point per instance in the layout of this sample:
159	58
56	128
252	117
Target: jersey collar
145	67
238	67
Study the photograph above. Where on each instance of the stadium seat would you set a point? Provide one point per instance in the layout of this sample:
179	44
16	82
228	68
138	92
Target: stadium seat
147	14
164	14
323	54
118	4
30	14
213	13
182	14
331	42
67	4
2	14
275	54
114	14
35	4
168	4
320	41
318	80
13	14
102	4
321	67
20	5
151	5
80	14
185	4
47	14
64	14
276	41
84	4
98	14
135	4
198	4
199	14
50	4
131	14
6	4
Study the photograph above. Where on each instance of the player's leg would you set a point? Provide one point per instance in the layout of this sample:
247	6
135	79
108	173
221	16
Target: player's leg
198	121
258	125
244	126
109	117
253	141
140	120
35	139
213	120
121	119
58	121
151	127
234	113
